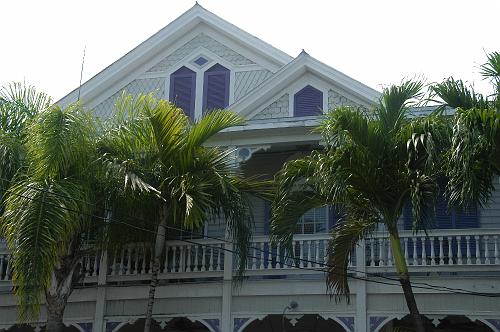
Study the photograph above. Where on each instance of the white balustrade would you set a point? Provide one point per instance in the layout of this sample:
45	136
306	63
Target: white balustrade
438	248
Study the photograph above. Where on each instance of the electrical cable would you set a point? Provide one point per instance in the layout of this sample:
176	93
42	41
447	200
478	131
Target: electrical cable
426	285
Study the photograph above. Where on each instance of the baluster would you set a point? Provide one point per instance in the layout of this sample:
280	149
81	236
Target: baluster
94	270
196	251
433	254
381	252
211	259
204	259
441	251
254	257
405	241
389	254
188	261
467	239
301	251
143	264
87	265
269	256
181	259
219	250
495	248
294	254
459	250
122	259
424	252
8	267
415	258
129	259
165	262
113	267
372	252
174	259
486	239
279	262
316	255
450	251
2	259
151	259
261	256
478	250
308	263
136	258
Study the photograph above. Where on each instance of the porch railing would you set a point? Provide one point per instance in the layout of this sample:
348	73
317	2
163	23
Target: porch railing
468	250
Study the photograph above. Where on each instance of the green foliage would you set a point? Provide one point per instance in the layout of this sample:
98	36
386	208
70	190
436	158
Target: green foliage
373	163
39	221
474	158
165	158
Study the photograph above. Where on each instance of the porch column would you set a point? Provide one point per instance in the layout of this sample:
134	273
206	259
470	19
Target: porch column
100	302
361	322
227	285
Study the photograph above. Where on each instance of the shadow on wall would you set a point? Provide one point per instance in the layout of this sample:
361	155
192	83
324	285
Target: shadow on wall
29	328
275	323
447	324
174	325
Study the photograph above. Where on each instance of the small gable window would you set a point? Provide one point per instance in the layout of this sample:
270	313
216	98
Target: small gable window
216	88
308	102
183	90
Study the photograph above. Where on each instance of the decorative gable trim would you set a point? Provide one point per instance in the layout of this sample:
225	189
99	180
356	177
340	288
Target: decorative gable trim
288	76
132	64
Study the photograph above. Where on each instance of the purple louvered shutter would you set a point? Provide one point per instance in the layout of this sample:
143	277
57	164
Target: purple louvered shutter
308	101
216	88
183	90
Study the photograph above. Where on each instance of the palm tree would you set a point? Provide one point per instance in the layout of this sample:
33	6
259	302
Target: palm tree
188	182
19	104
475	153
374	163
43	232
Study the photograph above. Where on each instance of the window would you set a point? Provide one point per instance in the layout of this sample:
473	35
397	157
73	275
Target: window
216	88
183	90
313	221
308	102
445	218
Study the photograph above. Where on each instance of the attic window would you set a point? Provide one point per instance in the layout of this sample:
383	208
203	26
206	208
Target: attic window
200	61
183	90
308	102
216	88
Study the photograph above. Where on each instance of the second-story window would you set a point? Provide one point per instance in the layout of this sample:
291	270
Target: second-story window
307	102
216	88
183	90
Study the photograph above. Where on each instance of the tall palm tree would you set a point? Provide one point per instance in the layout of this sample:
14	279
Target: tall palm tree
43	232
374	163
475	153
188	182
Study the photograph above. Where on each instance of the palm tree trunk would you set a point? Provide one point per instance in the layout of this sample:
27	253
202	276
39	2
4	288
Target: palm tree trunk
404	280
56	296
155	269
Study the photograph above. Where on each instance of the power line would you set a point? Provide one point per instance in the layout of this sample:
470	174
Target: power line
414	284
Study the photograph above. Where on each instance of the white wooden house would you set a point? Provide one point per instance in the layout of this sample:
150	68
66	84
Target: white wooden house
201	61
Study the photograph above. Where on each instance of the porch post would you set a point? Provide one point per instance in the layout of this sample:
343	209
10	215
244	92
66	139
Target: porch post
100	302
227	285
361	321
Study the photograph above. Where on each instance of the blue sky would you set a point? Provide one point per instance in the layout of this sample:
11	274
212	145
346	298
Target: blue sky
375	42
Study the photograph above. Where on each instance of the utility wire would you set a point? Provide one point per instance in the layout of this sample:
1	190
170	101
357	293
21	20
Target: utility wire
106	221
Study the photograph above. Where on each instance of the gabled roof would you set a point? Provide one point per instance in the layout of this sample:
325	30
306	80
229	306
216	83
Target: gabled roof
133	60
302	64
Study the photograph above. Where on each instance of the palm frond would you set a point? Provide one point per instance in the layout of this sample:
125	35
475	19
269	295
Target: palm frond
39	225
357	223
211	124
456	94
